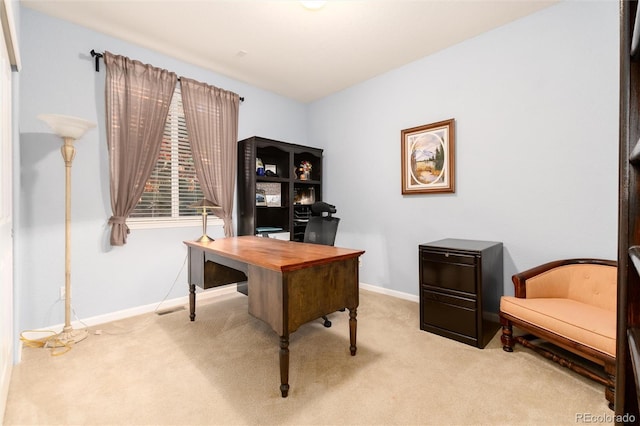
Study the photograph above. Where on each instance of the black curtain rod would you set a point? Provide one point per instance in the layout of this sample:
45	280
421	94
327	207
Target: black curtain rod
97	56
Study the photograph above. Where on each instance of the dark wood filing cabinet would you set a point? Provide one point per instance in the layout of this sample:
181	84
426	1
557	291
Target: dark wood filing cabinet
461	282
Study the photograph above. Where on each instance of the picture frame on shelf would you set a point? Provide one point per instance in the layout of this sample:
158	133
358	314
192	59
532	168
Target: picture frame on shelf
273	200
272	193
261	197
306	196
428	158
270	170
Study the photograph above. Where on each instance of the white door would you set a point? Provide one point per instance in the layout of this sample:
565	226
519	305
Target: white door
6	227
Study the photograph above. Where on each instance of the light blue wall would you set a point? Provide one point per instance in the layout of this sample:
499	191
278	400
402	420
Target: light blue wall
58	76
536	107
536	110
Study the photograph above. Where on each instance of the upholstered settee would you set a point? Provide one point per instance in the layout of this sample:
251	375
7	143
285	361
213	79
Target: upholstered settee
572	305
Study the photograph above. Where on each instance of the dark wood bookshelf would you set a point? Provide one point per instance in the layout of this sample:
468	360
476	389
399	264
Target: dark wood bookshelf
296	194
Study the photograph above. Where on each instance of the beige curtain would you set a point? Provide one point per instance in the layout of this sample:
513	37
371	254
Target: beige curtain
212	122
138	98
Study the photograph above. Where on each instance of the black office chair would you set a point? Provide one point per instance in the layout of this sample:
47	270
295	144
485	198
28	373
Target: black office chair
322	229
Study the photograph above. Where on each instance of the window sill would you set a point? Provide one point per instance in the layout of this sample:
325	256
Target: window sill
172	223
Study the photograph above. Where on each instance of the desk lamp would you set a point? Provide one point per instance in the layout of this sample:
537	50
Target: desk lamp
69	129
204	205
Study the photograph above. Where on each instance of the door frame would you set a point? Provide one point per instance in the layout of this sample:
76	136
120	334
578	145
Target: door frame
9	62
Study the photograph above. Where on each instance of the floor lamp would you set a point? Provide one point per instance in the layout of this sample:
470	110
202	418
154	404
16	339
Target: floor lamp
204	204
69	129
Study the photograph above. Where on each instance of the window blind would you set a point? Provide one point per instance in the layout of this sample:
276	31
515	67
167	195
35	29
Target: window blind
173	185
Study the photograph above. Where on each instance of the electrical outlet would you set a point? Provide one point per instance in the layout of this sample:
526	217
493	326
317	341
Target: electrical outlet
62	293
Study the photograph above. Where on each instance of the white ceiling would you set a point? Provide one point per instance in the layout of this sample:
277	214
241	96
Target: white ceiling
280	46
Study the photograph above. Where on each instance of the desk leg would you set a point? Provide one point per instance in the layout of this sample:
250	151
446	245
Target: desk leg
192	301
284	365
353	325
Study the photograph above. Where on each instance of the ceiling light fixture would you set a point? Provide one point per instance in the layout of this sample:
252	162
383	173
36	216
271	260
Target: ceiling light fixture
313	4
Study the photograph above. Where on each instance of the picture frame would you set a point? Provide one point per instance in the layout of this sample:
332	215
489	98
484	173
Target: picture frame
271	168
273	200
270	194
261	197
428	158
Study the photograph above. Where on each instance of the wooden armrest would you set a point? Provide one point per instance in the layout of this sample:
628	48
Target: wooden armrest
520	279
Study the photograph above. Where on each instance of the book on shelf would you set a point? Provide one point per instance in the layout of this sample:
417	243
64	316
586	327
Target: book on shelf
263	229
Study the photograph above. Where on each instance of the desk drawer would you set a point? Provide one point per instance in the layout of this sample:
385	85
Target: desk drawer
455	314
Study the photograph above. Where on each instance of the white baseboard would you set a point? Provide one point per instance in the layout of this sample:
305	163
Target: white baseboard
131	312
167	304
180	301
389	292
202	296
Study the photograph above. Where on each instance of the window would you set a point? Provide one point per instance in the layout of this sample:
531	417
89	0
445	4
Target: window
173	185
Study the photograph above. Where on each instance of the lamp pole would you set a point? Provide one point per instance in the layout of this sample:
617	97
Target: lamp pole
69	129
68	153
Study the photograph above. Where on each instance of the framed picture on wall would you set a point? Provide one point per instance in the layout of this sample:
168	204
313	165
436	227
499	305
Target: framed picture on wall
428	158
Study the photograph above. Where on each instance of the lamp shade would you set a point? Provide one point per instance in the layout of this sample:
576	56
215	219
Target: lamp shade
66	126
205	204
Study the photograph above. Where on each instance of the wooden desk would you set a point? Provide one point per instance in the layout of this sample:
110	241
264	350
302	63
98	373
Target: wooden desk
289	283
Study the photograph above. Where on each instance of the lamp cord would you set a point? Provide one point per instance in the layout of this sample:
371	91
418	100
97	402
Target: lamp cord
149	319
174	283
58	347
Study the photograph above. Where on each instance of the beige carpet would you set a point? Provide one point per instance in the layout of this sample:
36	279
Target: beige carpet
223	369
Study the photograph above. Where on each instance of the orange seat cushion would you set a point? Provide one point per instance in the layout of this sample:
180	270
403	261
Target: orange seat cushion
588	325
